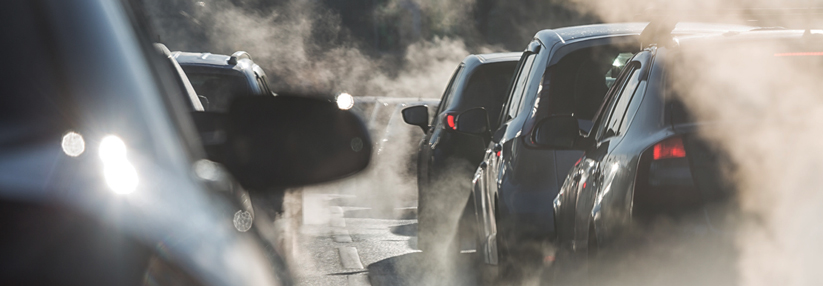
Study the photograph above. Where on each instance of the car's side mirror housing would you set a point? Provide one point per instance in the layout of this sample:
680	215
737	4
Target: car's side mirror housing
557	132
474	121
417	115
285	141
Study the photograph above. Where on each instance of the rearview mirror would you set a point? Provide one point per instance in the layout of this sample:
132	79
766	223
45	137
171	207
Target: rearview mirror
417	115
287	141
557	132
474	121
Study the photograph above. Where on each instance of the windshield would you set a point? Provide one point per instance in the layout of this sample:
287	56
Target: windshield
218	85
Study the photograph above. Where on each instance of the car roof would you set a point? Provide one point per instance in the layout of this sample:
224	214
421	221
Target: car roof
207	59
498	57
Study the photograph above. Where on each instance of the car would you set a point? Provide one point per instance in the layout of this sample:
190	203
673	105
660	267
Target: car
647	156
220	77
104	177
447	158
564	71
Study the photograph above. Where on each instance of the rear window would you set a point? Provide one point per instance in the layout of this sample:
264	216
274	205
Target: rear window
219	86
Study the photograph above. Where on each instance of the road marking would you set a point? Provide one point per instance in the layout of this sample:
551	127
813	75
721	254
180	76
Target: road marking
358	280
341	235
338	221
349	258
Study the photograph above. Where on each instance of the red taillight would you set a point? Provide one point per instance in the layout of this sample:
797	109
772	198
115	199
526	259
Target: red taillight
578	161
450	121
669	148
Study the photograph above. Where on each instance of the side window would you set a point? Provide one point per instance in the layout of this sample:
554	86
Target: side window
617	116
446	100
516	98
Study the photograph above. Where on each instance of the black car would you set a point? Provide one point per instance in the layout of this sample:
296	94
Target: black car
564	71
220	77
104	178
446	158
647	156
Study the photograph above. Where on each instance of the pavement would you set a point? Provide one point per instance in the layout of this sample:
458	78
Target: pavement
342	241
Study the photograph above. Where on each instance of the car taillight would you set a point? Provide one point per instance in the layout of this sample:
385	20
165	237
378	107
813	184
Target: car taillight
450	121
669	148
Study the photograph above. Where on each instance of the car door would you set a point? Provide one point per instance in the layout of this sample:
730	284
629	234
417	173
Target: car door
432	137
486	180
601	173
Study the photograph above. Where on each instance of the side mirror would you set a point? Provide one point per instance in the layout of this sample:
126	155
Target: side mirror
474	121
417	115
288	141
557	132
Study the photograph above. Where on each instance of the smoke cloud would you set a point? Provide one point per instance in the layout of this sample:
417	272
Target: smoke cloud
764	112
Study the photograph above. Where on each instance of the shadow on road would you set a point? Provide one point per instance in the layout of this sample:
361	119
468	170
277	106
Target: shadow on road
417	269
405	230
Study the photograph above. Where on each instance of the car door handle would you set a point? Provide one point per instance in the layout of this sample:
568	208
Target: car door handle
497	147
483	165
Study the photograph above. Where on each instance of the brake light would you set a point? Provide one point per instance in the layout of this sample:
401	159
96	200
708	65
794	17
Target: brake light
669	148
450	122
578	161
499	153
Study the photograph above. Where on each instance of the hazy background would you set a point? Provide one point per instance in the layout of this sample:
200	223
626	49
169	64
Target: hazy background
398	48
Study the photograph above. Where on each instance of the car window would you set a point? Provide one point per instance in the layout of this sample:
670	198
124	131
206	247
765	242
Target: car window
578	83
603	113
516	96
487	88
622	100
447	95
219	86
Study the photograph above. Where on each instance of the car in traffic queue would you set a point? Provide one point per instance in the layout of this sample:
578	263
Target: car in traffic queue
104	177
445	157
646	156
219	78
565	71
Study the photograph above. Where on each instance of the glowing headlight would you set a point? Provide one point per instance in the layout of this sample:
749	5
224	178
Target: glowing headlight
119	173
73	144
345	101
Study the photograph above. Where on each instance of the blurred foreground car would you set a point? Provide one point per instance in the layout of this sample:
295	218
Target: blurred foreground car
447	158
646	155
103	179
220	78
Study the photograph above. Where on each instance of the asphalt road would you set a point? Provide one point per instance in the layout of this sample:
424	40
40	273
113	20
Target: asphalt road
342	242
